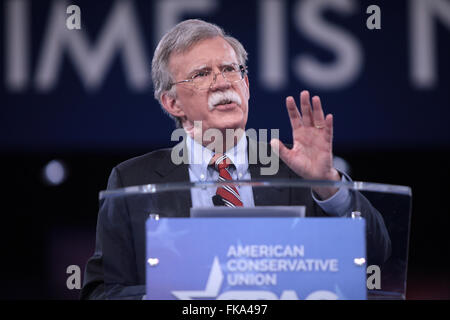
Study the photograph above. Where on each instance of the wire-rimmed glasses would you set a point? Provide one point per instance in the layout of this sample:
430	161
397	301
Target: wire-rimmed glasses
204	79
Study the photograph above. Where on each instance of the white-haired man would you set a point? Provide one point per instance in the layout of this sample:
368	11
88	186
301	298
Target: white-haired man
200	79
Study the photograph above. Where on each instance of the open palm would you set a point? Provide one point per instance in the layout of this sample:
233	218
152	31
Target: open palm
311	156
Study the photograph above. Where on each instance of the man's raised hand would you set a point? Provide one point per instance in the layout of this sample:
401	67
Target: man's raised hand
311	156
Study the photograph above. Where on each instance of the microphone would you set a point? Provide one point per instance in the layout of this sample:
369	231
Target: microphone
217	200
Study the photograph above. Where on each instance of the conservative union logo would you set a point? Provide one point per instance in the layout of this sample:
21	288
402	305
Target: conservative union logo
214	284
255	259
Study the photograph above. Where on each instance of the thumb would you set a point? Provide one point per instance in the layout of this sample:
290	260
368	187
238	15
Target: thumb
280	149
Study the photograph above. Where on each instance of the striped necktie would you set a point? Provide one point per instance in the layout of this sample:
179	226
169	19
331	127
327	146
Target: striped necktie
226	195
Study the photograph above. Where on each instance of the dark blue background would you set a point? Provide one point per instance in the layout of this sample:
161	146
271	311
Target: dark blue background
380	109
387	129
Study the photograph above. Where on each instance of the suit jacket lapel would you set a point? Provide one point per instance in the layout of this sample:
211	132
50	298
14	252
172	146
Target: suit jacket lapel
171	172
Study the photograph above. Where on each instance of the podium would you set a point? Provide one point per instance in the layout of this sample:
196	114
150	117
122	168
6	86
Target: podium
354	246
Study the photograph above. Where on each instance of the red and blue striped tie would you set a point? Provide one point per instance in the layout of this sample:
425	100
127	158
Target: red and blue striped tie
228	194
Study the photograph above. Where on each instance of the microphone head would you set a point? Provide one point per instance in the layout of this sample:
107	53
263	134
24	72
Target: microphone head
217	200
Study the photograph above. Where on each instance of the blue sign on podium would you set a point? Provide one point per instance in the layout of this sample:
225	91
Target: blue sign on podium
255	258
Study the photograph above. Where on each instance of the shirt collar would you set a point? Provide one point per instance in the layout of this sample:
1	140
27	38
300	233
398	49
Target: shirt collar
199	156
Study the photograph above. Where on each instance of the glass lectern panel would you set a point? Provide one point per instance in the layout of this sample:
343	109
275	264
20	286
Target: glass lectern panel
385	209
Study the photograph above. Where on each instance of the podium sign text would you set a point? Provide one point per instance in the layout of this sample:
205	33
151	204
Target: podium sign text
255	258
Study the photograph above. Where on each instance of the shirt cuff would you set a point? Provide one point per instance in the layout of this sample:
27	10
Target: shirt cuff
338	205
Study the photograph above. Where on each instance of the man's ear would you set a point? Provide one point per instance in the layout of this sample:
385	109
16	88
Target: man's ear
170	104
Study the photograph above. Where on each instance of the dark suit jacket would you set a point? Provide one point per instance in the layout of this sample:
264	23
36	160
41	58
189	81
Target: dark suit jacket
117	268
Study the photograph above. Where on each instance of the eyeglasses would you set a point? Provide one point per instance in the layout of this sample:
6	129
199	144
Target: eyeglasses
204	79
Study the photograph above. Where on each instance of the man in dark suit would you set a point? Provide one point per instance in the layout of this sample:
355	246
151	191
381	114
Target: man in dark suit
200	79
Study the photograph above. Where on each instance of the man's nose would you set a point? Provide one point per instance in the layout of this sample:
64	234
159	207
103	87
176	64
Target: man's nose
219	82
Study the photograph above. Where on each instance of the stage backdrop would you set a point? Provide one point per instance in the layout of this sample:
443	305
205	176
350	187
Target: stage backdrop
90	89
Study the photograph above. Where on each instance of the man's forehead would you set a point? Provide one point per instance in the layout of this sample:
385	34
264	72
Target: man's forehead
211	64
206	53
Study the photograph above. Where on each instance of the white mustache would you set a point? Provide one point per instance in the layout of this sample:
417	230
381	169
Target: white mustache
216	97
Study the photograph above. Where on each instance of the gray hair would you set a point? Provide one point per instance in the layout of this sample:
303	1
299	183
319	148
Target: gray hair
178	40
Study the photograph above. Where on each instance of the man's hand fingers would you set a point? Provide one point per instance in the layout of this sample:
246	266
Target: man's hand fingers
294	114
305	106
319	119
329	127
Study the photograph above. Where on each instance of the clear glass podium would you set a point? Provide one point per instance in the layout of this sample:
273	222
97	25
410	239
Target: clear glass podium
385	209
